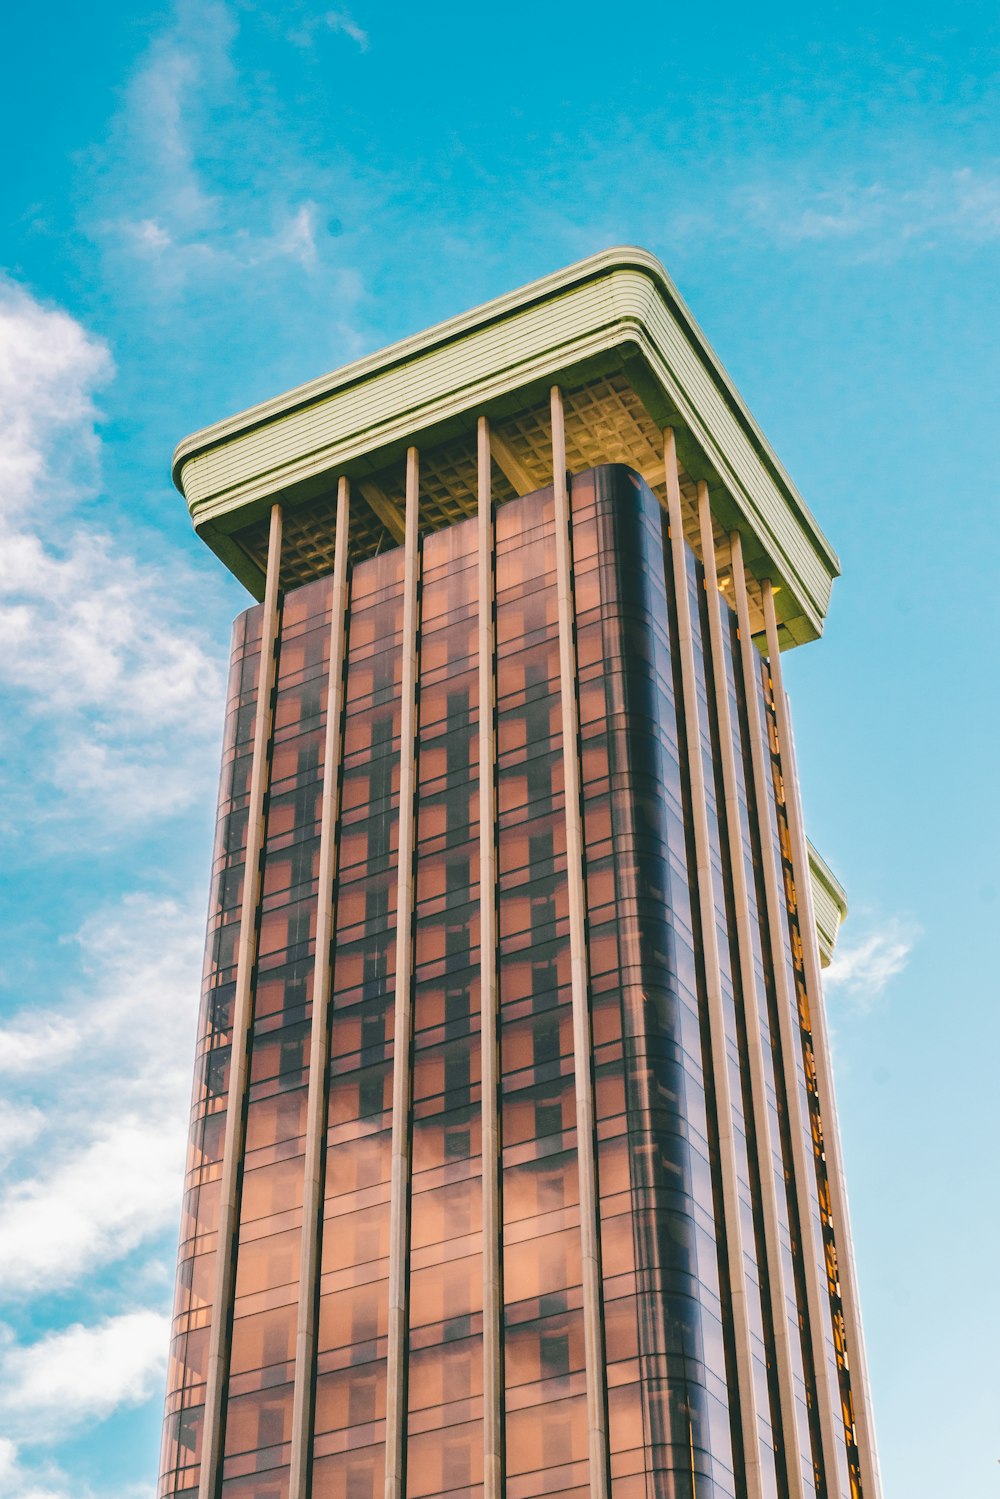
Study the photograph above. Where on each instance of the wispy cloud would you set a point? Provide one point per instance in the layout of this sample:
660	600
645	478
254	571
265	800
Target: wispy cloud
862	968
338	21
20	1126
881	215
187	202
177	257
43	1478
879	198
117	690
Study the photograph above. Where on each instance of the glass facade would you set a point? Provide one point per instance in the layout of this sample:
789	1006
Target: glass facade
348	1443
673	1403
801	1444
543	1339
180	1464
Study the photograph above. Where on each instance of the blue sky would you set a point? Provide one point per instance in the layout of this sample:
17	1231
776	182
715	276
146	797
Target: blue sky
208	203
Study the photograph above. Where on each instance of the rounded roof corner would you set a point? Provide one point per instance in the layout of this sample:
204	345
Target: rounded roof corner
828	880
177	462
618	297
602	263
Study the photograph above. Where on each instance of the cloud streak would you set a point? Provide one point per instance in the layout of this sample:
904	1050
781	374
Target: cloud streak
187	203
863	969
337	21
959	206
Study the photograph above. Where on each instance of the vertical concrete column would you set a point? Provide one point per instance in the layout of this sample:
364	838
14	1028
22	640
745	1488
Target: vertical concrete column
593	1321
803	1169
857	1362
312	1197
492	1224
246	954
751	1008
402	1083
713	981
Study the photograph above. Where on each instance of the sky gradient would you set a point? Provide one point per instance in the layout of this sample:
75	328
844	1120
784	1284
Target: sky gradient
205	204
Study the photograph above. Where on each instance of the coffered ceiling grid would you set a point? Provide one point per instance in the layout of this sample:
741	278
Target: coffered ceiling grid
606	422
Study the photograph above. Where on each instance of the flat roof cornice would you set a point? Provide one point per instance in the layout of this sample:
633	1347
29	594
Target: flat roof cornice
619	307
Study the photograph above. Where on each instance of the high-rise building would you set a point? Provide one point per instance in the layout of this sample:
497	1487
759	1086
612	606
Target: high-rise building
514	1166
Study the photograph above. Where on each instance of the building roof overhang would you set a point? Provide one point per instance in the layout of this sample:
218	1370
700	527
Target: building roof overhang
829	903
615	316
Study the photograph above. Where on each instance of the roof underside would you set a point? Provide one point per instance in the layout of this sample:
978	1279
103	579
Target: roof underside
612	332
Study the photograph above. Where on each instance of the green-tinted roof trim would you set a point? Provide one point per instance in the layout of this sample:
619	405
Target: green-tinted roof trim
592	311
829	903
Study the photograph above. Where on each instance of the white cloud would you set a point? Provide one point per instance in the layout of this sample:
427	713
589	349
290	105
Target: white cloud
882	216
862	969
297	238
37	1042
50	369
112	712
183	64
83	627
18	1482
20	1124
149	236
176	259
338	21
44	1479
95	644
111	1120
187	106
81	1373
97	1204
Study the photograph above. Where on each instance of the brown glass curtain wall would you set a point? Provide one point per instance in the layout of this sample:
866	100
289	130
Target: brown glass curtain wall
420	1358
